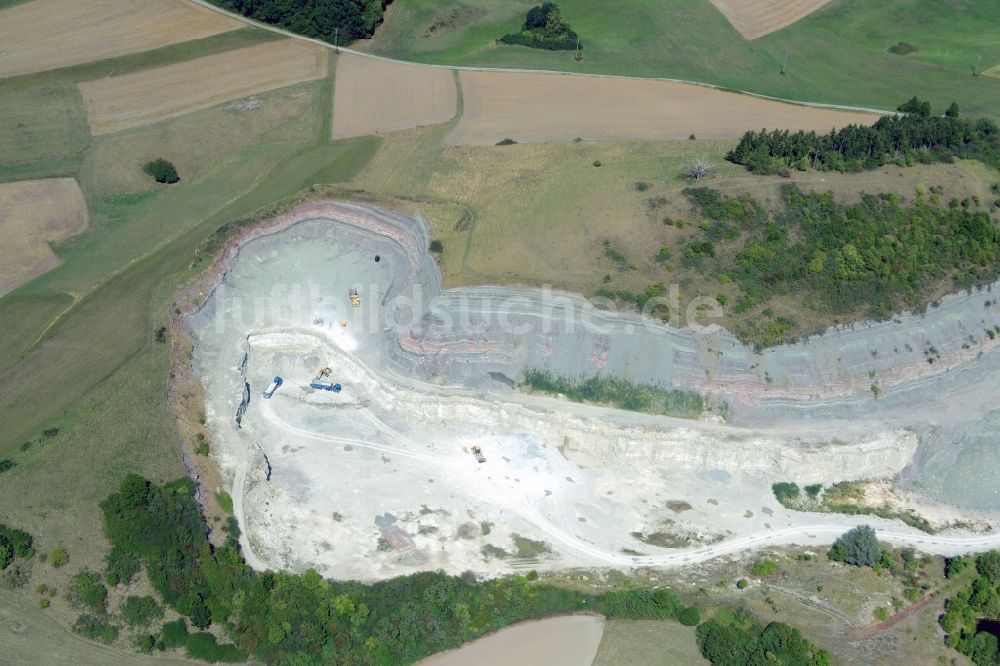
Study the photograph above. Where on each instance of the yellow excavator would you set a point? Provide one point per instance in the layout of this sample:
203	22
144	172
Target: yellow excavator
355	298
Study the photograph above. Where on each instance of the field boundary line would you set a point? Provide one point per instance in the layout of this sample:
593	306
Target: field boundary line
516	70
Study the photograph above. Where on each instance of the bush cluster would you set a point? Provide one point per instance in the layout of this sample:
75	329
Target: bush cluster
544	28
304	619
972	607
162	171
736	639
914	135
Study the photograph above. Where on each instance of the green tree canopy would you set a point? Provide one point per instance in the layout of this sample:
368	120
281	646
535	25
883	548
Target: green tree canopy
858	546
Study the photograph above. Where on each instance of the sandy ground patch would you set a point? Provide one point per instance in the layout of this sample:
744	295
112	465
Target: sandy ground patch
48	34
993	72
146	97
376	96
756	18
557	641
34	213
552	107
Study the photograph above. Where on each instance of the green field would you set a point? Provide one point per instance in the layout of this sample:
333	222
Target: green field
837	55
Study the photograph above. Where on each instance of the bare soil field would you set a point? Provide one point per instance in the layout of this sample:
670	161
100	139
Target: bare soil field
558	641
133	100
530	107
375	96
49	34
756	18
34	213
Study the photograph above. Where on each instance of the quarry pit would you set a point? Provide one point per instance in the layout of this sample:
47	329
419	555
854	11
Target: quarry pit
380	478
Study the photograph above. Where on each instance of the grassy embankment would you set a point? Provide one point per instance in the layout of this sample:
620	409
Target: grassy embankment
838	55
79	350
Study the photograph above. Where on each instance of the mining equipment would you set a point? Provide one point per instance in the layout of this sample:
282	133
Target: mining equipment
272	387
322	383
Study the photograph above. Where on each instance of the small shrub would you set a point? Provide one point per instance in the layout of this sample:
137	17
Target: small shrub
641	186
224	500
506	142
202	449
902	48
174	634
88	591
742	583
813	490
44	603
6	465
58	557
955	565
882	614
597	163
202	646
96	628
140	611
763	568
689	616
436	246
162	171
786	492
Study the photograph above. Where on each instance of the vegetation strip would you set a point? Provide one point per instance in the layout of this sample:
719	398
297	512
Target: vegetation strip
618	393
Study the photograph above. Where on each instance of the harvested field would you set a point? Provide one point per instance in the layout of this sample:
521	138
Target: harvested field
376	96
133	100
756	18
554	107
49	34
558	641
34	213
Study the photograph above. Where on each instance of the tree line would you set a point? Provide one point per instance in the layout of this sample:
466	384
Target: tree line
287	618
333	21
915	135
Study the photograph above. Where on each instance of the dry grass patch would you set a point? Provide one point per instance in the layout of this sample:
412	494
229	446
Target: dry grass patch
33	214
648	643
556	107
197	141
49	34
756	18
993	72
133	100
375	96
